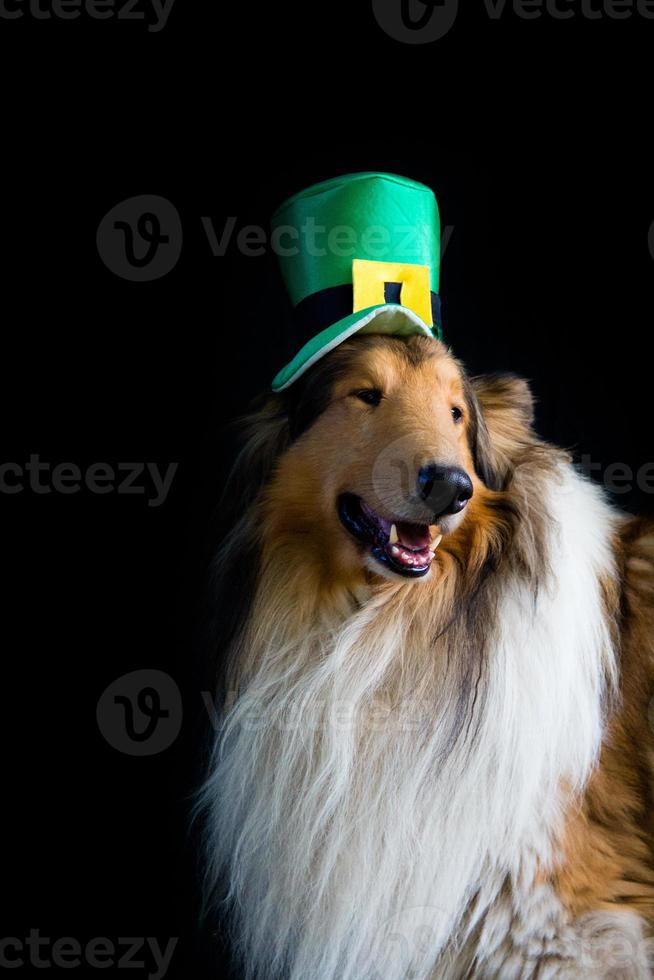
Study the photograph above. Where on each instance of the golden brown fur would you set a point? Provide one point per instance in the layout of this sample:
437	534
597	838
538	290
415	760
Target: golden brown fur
607	847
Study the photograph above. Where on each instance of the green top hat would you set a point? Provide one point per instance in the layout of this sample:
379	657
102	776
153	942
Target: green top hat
358	253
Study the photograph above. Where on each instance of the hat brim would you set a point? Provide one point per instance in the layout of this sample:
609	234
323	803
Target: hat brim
386	318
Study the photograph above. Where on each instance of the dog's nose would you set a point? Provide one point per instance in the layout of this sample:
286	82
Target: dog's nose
447	489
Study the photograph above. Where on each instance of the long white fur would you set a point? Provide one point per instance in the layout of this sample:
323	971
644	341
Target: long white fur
353	847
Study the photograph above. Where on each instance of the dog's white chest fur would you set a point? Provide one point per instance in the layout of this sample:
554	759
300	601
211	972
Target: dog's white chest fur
358	838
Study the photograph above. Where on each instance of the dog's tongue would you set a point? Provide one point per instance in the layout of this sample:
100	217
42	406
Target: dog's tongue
414	536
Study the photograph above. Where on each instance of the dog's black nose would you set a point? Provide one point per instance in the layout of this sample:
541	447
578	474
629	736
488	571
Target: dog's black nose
447	489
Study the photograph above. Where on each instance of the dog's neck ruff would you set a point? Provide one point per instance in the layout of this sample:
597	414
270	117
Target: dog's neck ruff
375	775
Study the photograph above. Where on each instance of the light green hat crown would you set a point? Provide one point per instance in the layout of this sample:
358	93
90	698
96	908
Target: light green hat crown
358	253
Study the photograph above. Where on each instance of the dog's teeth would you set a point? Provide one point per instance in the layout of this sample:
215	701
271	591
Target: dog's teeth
436	541
393	537
395	550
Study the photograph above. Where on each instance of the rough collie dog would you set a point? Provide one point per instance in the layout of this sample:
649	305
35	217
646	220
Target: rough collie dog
434	758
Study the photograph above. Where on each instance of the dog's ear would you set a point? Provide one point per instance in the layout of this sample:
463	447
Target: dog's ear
260	438
263	435
502	413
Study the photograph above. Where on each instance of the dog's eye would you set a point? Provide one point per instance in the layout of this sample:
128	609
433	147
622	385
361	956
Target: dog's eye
457	414
371	396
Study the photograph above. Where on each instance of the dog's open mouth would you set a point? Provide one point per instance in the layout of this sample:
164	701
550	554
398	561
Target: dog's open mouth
407	549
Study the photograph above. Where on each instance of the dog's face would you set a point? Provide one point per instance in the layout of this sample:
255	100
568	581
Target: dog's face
389	449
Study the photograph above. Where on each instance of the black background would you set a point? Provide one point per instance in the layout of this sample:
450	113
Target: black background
548	273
